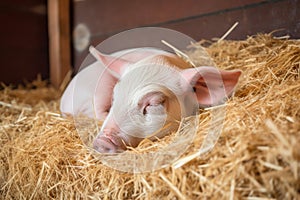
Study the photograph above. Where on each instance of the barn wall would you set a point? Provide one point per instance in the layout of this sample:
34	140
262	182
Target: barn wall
24	33
198	19
23	40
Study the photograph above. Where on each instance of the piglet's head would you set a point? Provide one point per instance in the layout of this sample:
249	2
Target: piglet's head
151	94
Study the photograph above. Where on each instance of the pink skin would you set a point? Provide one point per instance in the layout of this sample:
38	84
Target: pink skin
153	105
112	140
108	142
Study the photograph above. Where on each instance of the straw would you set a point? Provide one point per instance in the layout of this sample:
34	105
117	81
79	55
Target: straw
256	157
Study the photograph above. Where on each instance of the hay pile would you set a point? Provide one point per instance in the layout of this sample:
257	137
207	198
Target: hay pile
257	156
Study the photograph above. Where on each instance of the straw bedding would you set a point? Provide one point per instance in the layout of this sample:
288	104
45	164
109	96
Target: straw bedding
256	157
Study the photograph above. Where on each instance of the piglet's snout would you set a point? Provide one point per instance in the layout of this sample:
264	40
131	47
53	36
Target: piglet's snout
108	141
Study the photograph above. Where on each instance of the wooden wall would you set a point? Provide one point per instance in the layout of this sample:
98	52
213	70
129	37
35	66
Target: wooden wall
24	40
196	18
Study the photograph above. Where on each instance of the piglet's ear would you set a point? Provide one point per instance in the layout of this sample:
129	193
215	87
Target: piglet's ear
211	85
114	68
115	65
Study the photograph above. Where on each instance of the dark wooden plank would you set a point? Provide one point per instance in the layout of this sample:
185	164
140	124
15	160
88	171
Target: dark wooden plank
109	17
105	18
23	39
59	40
261	19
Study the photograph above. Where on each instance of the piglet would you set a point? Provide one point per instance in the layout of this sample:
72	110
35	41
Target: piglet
137	92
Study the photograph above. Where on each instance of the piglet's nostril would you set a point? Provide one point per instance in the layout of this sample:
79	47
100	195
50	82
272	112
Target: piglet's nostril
109	141
103	145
